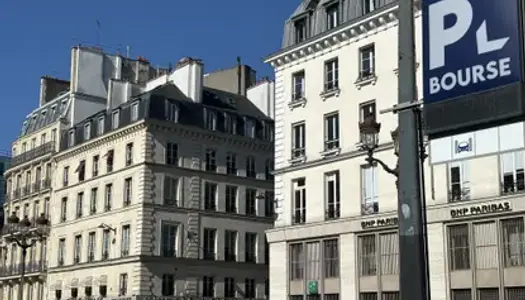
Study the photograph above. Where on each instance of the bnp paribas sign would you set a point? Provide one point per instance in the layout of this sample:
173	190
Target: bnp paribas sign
469	46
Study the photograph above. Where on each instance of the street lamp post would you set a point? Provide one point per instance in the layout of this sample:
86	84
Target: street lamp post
414	270
25	236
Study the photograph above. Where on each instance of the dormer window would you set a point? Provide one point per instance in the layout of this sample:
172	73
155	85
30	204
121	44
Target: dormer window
210	120
100	126
87	131
230	124
368	6
115	118
332	16
134	112
24	128
71	138
43	118
249	128
171	111
300	30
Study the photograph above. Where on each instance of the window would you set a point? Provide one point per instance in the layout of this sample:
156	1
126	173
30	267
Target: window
331	75
268	169
251	202
115	118
171	191
123	284
105	244
269	204
369	194
71	138
367	58
249	128
513	242
250	167
229	287
129	154
169	240
80	204
488	293
124	243
367	110
209	243
331	258
368	6
87	131
42	139
210	121
63	210
53	135
299	140
61	251
81	170
331	132
172	112
168	285
296	262
313	261
459	185
462	294
65	176
109	161
459	247
78	249
93	201
100	126
172	153
231	199
95	165
300	30
368	255
210	196
389	253
298	86
299	198
208	287
486	245
249	288
250	247
512	175
231	163
127	191
230	124
211	160
332	16
134	112
230	245
91	246
107	199
332	195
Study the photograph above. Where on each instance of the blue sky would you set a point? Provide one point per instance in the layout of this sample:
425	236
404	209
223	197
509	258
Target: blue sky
37	37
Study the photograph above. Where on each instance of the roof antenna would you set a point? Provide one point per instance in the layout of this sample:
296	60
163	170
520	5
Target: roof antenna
239	75
98	33
128	51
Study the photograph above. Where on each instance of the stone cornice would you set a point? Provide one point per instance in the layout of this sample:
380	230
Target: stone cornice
349	32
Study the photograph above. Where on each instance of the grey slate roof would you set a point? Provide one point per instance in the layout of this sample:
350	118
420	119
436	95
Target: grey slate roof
47	114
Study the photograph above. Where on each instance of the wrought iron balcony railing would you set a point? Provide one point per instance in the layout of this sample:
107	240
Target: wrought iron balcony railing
42	150
35	266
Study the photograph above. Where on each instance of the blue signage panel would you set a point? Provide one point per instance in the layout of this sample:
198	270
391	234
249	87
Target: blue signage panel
469	46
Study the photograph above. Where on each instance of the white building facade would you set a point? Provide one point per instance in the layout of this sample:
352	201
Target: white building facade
157	186
336	226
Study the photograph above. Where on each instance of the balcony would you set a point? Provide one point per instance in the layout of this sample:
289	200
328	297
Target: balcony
169	298
38	186
39	151
14	228
16	269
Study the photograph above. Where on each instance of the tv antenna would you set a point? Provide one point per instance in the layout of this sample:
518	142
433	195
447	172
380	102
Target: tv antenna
98	33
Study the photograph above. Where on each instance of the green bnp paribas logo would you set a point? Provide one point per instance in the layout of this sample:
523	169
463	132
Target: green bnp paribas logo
313	287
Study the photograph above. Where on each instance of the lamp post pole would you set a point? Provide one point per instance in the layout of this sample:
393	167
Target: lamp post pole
413	281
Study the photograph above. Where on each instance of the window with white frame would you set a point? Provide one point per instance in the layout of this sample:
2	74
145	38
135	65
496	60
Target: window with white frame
80	204
128	188
367	62
93	201
230	123
367	110
100	126
250	167
65	176
124	243
87	131
369	194
71	138
249	128
123	284
171	186
486	245
251	201
231	163
230	245
168	285
250	247
332	16
300	27
331	132
109	160
115	118
172	154
105	244
169	239
209	243
297	263
108	197
332	195
77	249
42	139
368	6
299	201
513	232
459	183
211	160
331	74
210	196
94	170
298	140
298	79
129	154
210	120
134	112
231	198
172	112
459	247
512	172
91	246
61	251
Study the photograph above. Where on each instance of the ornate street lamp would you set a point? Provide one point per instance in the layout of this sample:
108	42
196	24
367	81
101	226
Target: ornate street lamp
25	235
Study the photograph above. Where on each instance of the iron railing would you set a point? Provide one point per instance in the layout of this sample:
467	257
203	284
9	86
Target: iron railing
41	150
16	269
28	189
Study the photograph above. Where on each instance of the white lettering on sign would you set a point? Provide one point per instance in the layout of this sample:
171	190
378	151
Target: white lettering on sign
441	37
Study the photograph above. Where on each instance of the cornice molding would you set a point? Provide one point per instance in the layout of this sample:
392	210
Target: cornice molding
351	32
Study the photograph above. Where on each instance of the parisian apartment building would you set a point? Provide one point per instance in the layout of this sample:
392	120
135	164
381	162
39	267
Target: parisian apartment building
336	219
155	182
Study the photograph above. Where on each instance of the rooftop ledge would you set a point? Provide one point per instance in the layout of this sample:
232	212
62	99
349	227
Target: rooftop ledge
348	32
